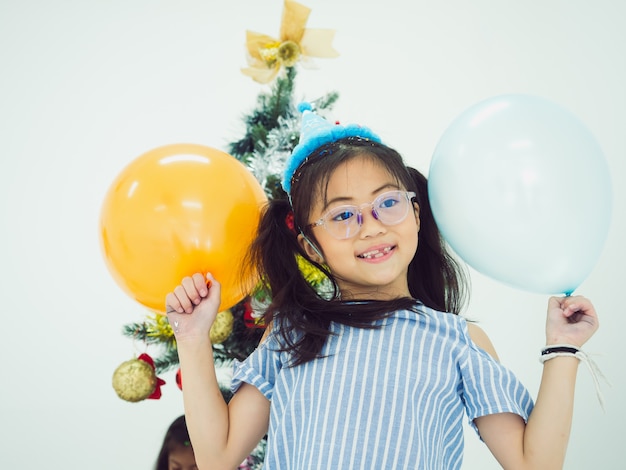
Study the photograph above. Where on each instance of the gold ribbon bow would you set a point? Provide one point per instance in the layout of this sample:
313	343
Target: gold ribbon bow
266	55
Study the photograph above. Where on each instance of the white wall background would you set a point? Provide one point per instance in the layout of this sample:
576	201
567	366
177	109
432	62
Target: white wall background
86	87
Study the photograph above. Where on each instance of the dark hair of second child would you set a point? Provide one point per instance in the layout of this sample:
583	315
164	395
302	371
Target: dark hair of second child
176	451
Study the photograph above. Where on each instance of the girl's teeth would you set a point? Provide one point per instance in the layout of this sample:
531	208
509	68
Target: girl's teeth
376	253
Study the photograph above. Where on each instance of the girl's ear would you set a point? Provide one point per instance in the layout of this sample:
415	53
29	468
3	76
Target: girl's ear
416	210
310	249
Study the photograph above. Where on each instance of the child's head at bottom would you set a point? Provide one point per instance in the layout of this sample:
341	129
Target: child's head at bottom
176	451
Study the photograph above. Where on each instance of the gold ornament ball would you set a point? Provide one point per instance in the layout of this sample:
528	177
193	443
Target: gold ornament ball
134	380
222	327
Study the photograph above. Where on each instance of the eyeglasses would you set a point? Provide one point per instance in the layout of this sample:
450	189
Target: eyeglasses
345	221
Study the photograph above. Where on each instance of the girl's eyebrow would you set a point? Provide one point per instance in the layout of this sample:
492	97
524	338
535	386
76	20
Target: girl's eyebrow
347	199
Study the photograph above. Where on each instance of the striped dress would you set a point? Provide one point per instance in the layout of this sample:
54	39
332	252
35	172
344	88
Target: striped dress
387	398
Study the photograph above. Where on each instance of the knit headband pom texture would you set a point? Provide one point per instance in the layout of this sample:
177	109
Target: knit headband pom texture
316	131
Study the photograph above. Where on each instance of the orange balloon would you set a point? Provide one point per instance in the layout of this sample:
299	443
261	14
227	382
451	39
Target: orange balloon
177	210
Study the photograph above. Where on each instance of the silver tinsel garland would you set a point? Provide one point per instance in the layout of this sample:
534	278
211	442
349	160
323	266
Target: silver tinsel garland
270	159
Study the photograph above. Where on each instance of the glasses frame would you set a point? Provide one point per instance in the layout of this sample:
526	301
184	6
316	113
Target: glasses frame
321	222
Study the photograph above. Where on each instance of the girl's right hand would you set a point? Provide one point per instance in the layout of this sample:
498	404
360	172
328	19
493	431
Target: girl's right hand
192	307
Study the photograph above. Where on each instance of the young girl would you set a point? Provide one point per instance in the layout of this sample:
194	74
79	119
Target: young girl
379	372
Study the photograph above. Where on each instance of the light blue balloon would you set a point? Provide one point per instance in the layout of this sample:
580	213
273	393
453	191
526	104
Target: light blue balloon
521	191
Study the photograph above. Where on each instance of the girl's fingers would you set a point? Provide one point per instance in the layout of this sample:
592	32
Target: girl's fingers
183	298
172	304
572	304
578	309
577	304
200	284
190	293
190	289
210	281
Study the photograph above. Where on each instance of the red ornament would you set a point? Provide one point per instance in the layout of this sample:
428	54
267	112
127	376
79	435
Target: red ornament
289	222
249	320
179	379
157	390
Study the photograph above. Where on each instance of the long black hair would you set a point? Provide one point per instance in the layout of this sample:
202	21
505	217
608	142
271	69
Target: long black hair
302	313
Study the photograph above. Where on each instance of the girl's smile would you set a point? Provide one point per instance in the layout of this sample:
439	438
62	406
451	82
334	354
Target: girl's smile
377	254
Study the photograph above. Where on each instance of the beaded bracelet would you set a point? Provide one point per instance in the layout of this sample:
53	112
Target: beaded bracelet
556	350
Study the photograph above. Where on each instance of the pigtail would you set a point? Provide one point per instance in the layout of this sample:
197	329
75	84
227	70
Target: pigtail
274	248
435	277
294	300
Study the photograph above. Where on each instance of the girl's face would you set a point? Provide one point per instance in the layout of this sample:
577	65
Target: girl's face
181	458
372	264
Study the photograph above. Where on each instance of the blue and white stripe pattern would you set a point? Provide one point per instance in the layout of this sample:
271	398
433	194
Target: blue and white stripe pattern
388	398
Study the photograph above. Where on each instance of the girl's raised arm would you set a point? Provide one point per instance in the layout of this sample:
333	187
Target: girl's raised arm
222	435
541	443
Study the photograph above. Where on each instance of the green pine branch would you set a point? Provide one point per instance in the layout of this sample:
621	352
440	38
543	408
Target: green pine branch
168	360
265	117
327	101
142	332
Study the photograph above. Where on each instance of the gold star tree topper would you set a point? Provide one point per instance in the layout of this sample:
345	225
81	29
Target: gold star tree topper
267	55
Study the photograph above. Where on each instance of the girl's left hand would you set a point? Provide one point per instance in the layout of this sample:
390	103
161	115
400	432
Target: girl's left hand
571	320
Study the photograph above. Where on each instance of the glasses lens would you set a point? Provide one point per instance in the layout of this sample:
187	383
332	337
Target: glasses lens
391	207
342	221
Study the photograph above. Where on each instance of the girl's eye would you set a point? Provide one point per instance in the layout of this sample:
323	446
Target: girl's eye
341	215
388	202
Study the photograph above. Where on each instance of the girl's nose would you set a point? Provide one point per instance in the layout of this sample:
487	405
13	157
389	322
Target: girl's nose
369	224
359	216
